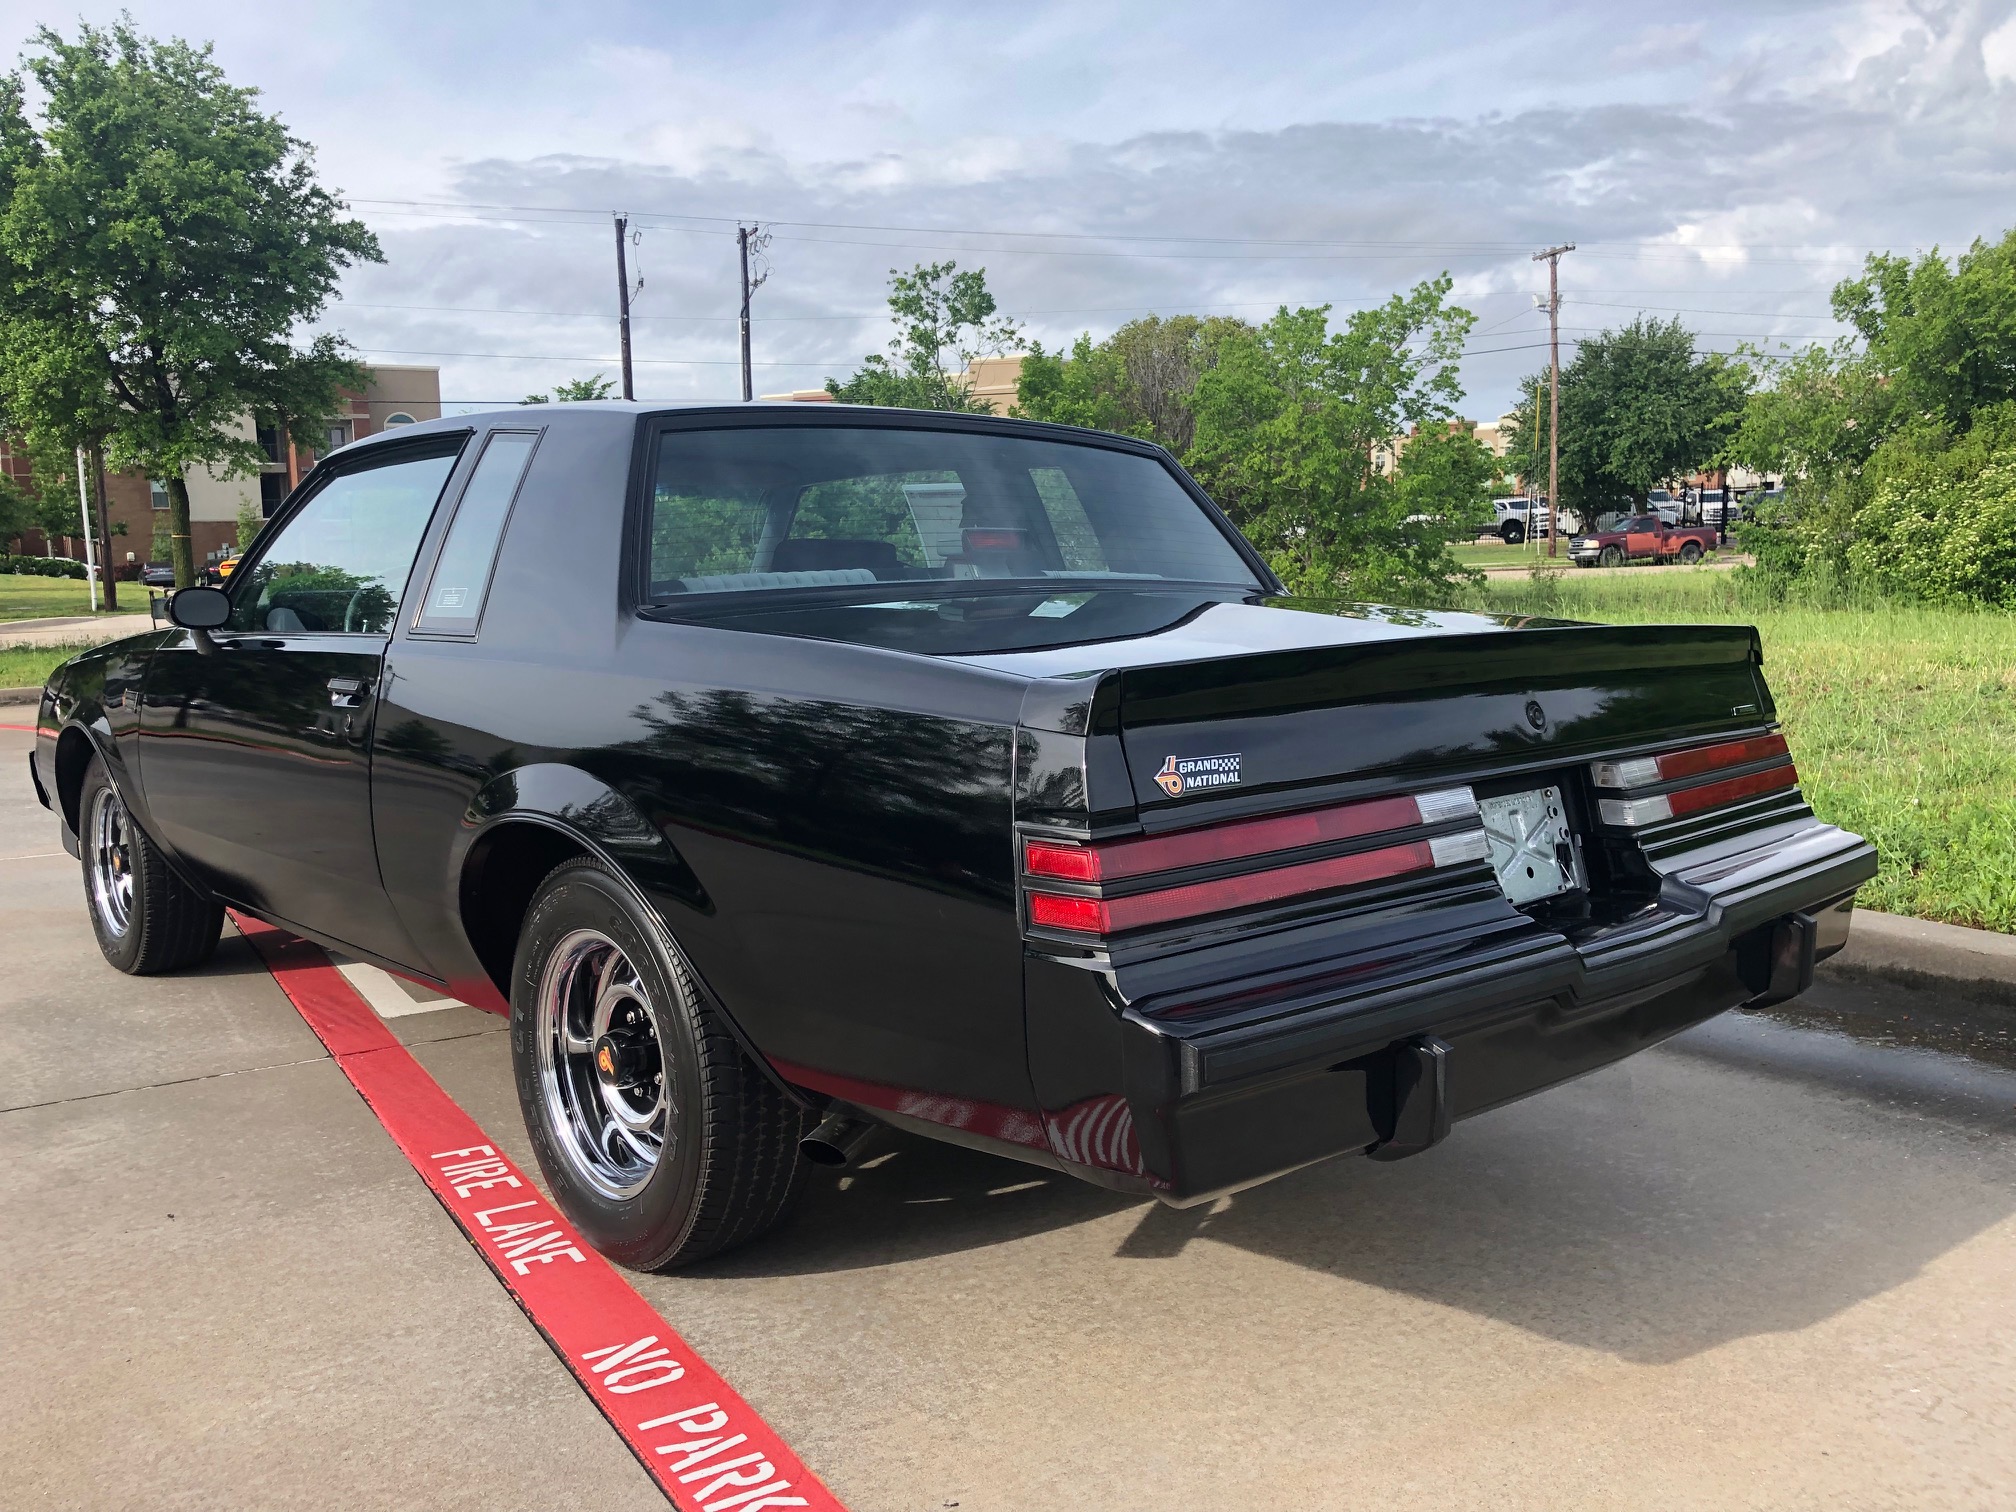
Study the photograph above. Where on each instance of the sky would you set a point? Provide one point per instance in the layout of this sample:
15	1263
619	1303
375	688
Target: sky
1725	163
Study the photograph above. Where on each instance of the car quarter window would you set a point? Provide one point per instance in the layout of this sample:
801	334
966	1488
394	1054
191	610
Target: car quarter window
757	507
454	600
341	562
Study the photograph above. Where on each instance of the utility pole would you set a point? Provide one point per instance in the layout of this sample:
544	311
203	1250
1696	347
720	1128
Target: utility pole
1552	257
748	239
623	303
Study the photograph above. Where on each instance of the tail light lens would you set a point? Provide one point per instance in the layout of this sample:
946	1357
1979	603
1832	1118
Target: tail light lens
1119	860
1696	761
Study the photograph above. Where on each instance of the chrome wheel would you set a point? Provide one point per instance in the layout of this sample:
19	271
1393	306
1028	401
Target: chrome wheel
110	837
602	1069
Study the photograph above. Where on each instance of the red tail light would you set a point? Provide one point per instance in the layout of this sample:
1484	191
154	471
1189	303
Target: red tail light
1115	860
1677	766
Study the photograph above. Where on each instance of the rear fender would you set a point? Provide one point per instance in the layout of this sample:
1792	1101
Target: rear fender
594	819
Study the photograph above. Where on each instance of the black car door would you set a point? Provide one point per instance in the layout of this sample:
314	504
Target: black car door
254	740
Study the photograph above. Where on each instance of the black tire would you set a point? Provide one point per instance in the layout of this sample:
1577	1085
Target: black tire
147	919
1512	533
1611	556
726	1168
1690	553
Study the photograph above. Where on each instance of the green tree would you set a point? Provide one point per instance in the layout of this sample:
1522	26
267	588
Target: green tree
161	240
1639	408
1138	381
944	319
1297	429
574	390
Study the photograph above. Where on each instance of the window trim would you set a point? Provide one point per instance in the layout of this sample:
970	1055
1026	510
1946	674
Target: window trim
413	624
451	444
652	429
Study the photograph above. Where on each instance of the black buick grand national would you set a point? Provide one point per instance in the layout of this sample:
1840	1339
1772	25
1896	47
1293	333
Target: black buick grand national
781	770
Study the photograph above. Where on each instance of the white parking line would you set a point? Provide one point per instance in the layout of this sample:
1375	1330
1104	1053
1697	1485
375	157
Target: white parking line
381	989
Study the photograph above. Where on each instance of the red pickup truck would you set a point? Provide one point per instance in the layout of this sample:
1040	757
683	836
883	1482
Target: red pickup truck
1642	536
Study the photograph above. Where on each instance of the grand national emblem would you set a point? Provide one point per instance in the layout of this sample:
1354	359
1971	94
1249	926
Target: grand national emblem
1180	774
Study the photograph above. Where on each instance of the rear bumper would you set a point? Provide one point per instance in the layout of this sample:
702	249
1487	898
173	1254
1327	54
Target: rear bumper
1444	1026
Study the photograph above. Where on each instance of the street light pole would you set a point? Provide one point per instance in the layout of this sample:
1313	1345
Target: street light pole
1552	257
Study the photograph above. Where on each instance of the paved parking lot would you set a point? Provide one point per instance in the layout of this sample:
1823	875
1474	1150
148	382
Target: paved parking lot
1767	1266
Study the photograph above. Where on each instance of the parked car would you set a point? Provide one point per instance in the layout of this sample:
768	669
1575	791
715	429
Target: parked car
959	774
1513	520
1640	538
158	575
1660	501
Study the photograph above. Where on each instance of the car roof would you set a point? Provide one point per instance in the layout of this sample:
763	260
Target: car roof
789	411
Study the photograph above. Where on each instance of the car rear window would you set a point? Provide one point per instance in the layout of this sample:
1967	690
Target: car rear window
755	508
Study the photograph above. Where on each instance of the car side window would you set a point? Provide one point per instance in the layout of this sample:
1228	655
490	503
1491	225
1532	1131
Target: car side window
454	600
341	562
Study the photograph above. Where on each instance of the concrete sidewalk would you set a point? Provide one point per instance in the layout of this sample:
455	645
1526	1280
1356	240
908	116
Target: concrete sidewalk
225	1286
77	629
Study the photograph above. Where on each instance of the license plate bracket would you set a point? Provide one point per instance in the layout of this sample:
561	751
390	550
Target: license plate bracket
1532	847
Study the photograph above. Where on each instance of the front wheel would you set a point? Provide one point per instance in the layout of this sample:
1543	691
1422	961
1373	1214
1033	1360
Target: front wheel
147	919
661	1140
1611	556
1512	533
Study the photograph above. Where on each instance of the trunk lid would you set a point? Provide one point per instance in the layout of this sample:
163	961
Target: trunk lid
1421	708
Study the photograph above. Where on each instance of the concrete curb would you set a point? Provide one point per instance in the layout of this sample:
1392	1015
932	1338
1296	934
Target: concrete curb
1919	953
20	695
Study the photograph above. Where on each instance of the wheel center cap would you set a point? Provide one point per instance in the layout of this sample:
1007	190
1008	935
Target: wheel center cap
623	1063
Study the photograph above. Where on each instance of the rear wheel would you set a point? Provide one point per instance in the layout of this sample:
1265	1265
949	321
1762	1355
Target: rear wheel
661	1140
1690	552
1512	533
146	918
1611	556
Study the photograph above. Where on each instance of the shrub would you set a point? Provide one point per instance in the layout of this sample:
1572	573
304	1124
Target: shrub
1944	540
34	566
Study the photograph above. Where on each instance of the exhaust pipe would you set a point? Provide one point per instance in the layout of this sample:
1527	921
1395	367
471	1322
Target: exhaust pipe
839	1138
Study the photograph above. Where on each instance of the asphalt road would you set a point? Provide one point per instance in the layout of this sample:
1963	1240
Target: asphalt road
1768	1265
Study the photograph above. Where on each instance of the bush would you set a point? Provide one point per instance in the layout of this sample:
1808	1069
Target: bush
1943	540
34	566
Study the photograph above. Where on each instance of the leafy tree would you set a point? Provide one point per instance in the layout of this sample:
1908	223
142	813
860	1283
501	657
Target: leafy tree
250	523
575	390
944	319
160	240
18	513
1876	431
1638	408
1296	430
1138	381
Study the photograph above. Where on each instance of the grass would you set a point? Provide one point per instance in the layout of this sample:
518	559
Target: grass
1493	553
1902	719
30	666
24	597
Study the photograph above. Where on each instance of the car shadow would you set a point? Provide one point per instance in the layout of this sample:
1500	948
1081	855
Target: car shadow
1652	1211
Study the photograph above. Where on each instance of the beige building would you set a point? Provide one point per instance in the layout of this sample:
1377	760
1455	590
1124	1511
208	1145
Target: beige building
392	396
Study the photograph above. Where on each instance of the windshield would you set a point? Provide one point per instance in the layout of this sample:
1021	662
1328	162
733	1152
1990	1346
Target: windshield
815	506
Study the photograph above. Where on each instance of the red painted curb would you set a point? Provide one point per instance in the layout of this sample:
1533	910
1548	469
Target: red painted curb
707	1449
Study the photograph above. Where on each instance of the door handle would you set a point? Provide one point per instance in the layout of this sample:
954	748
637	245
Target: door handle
347	692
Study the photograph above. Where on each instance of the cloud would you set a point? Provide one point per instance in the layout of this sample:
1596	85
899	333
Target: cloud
1661	47
1743	195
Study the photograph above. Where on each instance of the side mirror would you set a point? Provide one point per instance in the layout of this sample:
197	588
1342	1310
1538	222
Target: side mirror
198	608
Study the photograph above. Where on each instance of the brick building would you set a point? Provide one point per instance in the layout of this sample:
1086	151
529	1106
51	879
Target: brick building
392	396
